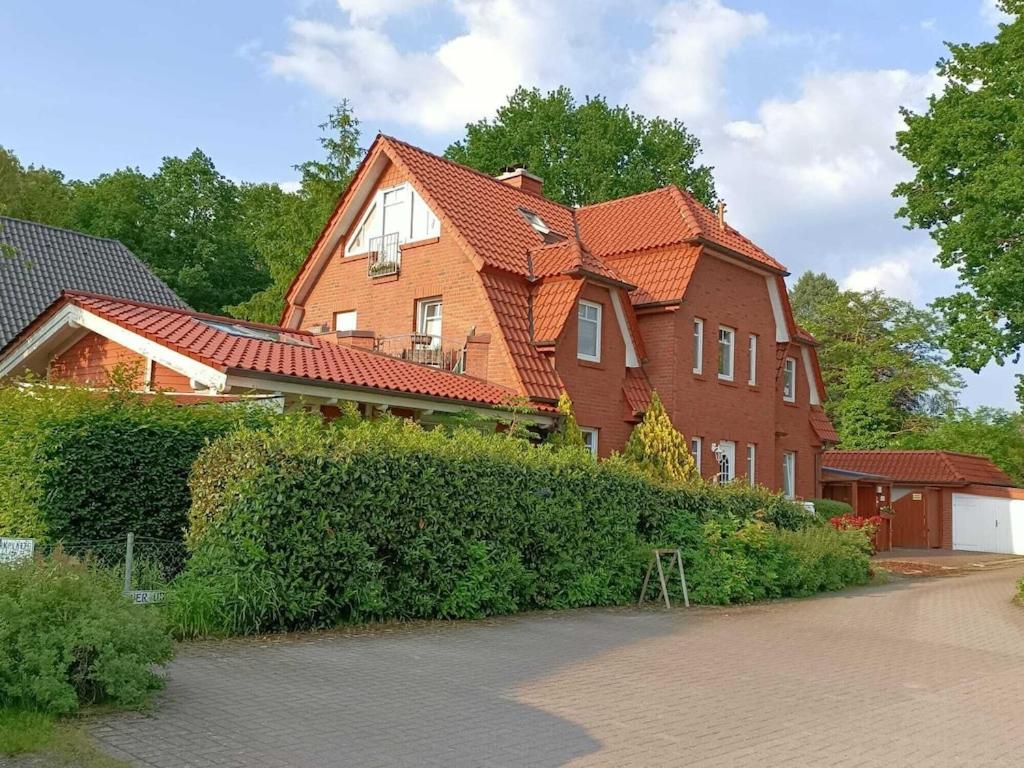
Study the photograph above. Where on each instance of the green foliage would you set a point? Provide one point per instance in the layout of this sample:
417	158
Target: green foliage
86	465
33	193
568	433
658	449
826	509
68	636
880	360
990	432
967	150
24	731
588	152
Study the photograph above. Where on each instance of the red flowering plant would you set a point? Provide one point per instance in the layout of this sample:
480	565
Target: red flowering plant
855	522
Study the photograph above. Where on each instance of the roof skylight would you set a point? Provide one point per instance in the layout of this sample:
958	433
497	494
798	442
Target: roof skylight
535	221
245	331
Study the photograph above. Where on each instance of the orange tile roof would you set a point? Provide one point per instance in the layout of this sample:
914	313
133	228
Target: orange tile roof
568	257
822	425
510	298
661	275
298	354
941	467
484	210
553	303
637	391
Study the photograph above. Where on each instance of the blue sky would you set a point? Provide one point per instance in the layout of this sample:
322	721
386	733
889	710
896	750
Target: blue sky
795	101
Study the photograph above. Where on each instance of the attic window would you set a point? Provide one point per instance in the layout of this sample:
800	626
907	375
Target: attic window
536	222
262	334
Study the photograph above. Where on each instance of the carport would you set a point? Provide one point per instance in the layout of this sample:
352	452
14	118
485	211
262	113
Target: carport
940	499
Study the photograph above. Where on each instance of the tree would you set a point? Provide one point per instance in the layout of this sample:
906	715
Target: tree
881	363
658	449
568	433
282	227
588	152
967	150
992	432
33	194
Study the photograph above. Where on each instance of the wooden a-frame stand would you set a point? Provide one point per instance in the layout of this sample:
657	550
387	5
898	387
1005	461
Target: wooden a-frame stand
677	560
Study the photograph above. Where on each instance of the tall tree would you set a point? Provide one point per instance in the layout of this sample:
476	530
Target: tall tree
33	193
588	152
968	192
282	226
880	360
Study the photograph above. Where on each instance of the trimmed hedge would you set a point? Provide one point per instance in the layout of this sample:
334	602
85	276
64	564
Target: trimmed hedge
68	636
76	464
310	525
826	509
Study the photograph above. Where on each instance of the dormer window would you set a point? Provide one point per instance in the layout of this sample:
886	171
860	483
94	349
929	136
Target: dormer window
396	211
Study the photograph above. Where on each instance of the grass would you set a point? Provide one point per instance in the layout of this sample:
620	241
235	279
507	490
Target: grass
1020	593
51	742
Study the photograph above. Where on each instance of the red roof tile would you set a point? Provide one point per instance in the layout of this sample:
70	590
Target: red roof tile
944	467
637	391
822	425
567	257
661	275
297	354
553	303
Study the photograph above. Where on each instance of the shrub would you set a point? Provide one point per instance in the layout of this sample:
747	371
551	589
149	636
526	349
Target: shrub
77	464
568	433
68	636
658	449
826	509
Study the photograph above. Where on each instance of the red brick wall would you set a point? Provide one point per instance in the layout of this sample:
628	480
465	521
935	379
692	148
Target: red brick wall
596	388
387	305
89	361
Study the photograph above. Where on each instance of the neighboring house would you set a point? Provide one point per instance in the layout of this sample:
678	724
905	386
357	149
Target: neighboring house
467	290
607	302
940	499
44	260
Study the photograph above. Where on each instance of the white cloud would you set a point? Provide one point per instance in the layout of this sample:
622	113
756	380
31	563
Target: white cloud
290	186
907	273
992	13
680	74
368	12
504	44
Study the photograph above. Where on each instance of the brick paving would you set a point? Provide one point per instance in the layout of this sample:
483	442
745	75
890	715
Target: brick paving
917	672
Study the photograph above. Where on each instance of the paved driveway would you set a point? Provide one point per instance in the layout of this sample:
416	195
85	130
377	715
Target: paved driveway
918	672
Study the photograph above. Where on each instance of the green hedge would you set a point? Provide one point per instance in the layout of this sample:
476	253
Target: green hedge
79	465
826	509
307	525
68	636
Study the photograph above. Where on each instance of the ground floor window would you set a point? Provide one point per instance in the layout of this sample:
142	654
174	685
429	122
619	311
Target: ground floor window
590	439
751	463
789	474
695	449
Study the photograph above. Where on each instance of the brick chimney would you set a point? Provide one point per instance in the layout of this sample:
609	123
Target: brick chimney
517	176
476	355
357	339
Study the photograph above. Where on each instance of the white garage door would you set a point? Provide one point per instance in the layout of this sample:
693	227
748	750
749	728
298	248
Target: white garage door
988	524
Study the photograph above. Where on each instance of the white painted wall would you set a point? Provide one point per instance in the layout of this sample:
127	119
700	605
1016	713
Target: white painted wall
988	524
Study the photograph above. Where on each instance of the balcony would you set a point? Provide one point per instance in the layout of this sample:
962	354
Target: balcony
385	255
422	348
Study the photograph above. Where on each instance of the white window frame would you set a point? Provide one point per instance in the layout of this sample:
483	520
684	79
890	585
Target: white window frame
726	451
422	305
731	333
407	234
350	325
591	444
789	474
696	449
752	360
584	304
752	464
789	379
698	345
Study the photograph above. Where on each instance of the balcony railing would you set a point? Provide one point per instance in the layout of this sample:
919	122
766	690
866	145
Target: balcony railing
385	255
422	348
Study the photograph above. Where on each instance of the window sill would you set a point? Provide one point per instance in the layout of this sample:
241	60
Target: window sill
380	279
791	403
699	377
420	243
596	364
728	383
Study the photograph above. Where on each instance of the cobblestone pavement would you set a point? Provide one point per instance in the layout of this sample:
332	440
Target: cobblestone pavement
926	672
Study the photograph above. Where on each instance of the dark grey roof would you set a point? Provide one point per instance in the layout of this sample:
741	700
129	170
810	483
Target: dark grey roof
48	260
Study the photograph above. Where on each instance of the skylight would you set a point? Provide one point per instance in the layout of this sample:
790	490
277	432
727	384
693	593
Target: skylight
535	221
245	331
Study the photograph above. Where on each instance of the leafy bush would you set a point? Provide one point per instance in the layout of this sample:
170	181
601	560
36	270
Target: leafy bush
76	464
826	509
69	636
1020	592
658	449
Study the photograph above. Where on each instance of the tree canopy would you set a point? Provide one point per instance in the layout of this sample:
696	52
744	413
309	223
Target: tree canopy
880	360
586	152
967	150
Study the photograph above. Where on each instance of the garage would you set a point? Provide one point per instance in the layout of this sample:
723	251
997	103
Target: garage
940	499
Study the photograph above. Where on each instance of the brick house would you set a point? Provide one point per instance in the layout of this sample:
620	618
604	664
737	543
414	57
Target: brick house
428	270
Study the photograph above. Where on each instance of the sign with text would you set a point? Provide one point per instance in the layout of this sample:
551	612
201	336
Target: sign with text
146	596
13	550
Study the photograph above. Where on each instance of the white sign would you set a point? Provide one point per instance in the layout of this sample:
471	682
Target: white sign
13	550
146	597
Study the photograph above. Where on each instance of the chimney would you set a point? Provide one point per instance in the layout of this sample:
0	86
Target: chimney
721	214
517	176
476	355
